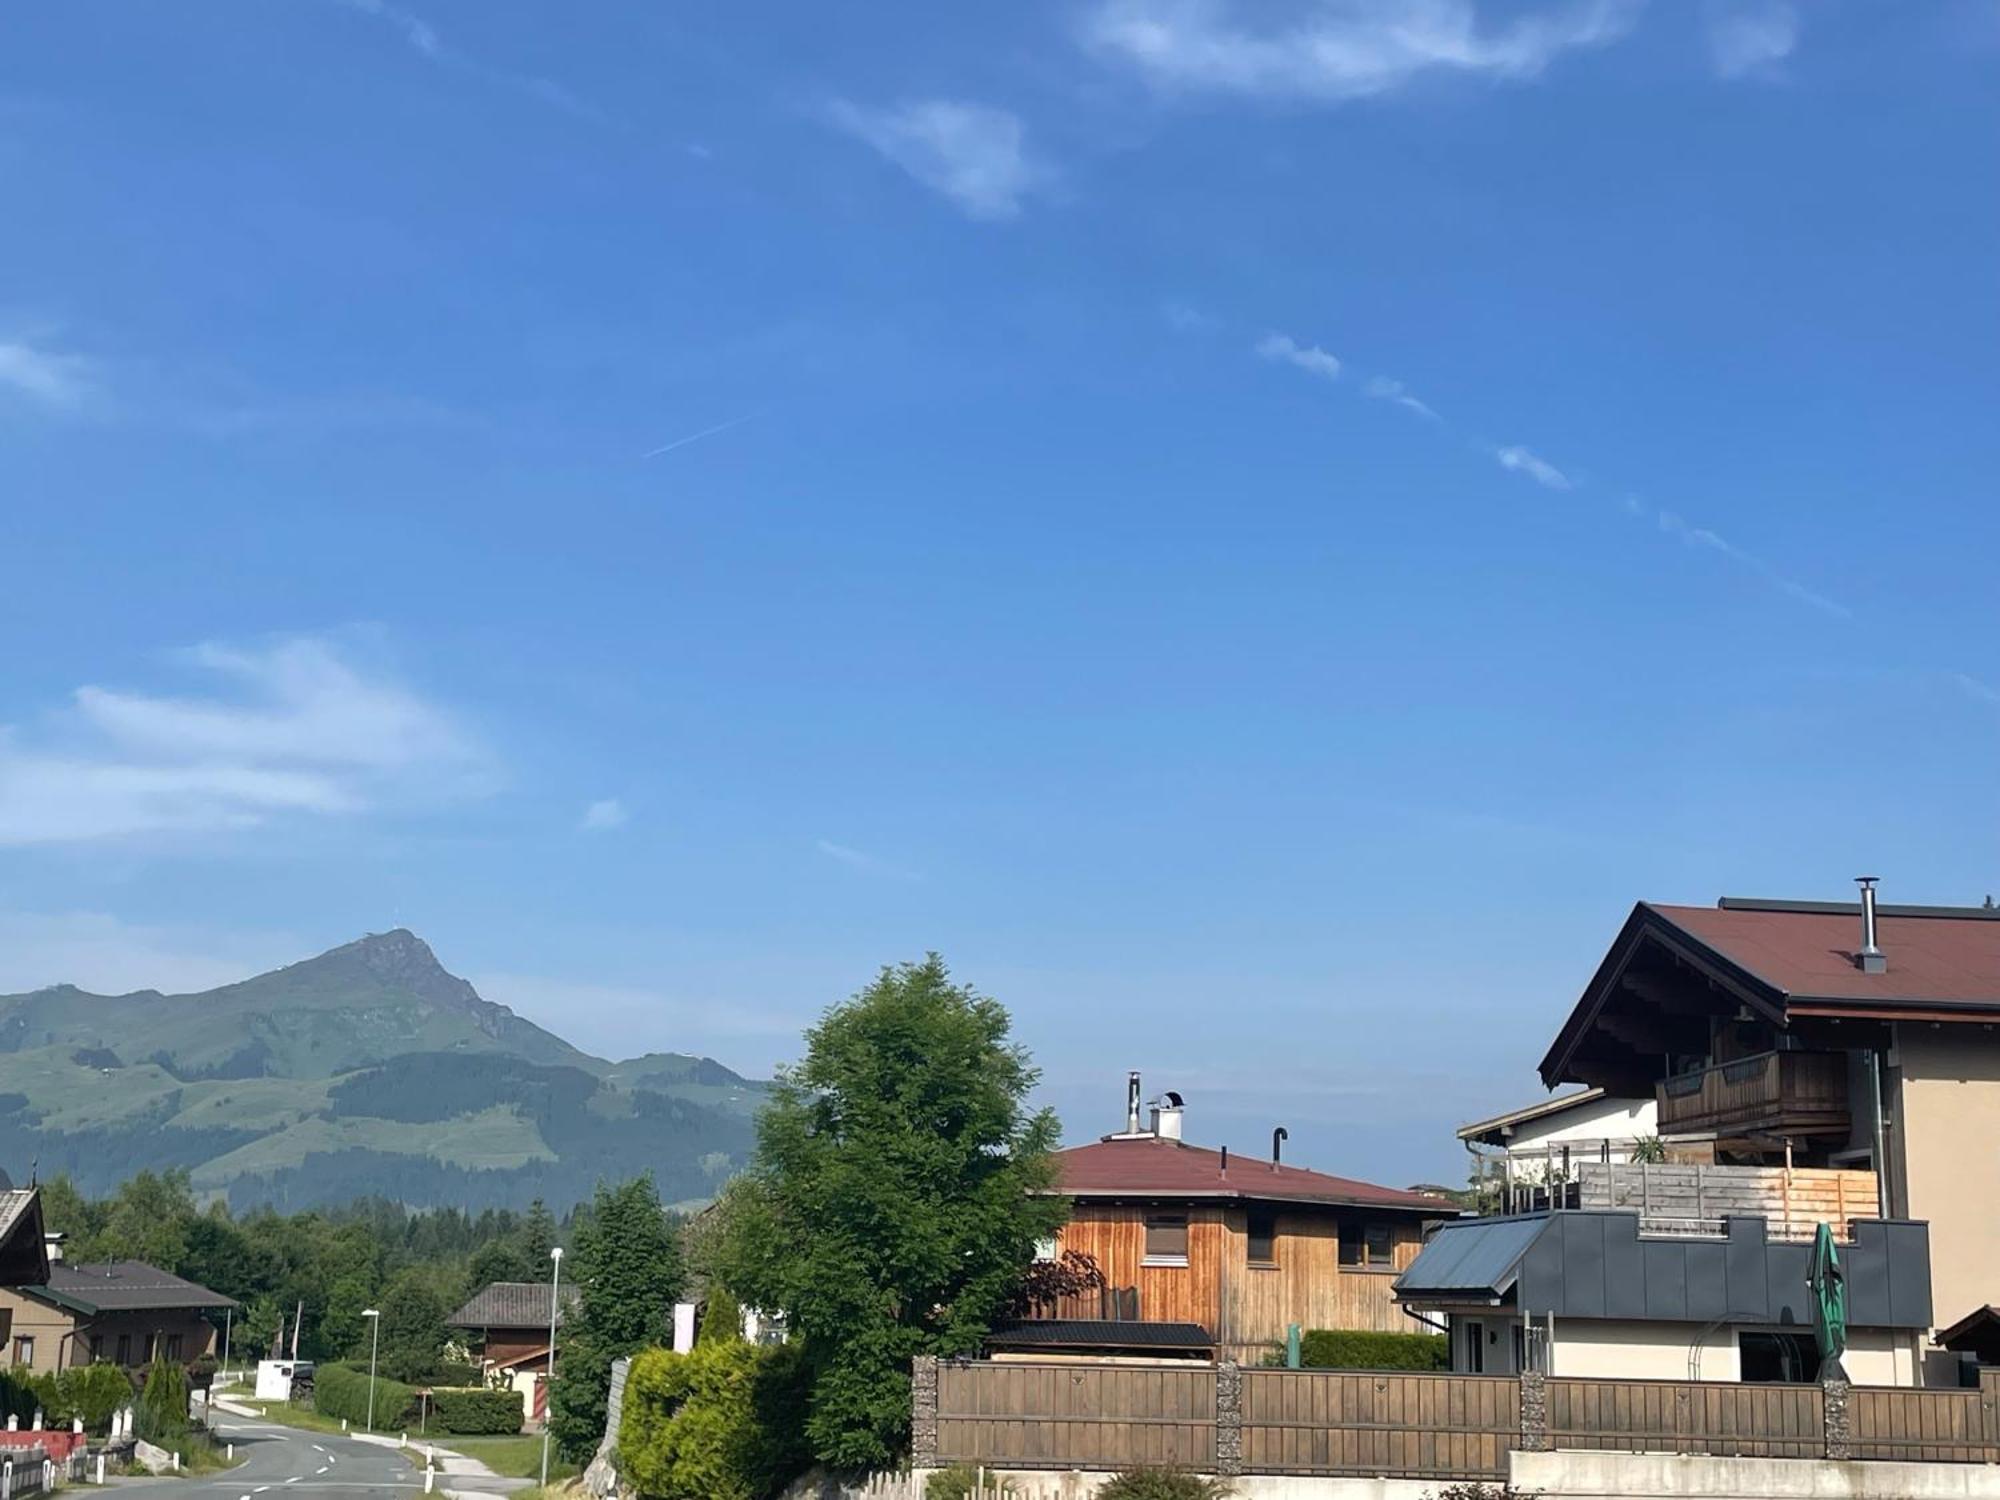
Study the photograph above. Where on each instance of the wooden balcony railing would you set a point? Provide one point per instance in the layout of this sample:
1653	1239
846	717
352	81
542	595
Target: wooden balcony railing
1775	1093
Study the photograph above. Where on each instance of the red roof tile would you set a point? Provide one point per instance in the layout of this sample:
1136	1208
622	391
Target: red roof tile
1952	960
1149	1167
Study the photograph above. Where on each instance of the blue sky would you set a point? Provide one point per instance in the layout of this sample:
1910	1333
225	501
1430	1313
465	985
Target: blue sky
1256	529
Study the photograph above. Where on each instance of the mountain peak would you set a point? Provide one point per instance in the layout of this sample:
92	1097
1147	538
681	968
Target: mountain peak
396	960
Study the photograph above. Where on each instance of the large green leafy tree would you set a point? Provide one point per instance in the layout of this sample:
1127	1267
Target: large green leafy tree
899	1186
627	1270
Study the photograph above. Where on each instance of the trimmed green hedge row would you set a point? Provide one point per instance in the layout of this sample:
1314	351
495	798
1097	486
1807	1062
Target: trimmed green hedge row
1353	1349
476	1410
342	1391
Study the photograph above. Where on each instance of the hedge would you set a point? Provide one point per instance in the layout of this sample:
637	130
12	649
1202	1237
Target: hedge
1353	1349
476	1410
721	1422
342	1391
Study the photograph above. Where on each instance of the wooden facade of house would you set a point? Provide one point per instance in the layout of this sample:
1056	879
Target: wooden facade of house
1237	1248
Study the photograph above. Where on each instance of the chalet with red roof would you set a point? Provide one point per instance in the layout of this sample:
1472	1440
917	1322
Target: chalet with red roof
1844	1044
1209	1253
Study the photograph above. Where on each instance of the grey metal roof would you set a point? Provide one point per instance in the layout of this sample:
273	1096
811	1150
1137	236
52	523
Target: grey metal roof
1585	1264
124	1286
1475	1257
1095	1333
511	1304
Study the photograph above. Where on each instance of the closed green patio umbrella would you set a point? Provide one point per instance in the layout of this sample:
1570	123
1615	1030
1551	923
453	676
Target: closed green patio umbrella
1827	1284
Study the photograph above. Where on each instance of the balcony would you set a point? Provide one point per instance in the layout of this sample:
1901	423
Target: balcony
1772	1093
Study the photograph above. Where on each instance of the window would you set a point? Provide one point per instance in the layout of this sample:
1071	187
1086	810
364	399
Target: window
1166	1239
1263	1237
1475	1348
1368	1246
173	1346
152	1340
1773	1358
96	1347
1047	1249
24	1351
124	1348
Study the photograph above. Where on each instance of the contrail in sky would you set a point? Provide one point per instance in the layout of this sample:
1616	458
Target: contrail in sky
695	437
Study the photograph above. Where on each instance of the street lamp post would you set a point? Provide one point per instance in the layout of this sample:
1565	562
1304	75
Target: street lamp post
549	1389
374	1317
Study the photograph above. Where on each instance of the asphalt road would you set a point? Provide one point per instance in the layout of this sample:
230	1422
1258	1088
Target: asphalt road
280	1462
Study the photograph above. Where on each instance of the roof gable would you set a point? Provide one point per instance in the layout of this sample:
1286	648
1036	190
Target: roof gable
511	1304
125	1286
1785	959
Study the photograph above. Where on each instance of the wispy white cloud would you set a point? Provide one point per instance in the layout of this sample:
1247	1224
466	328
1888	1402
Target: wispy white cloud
1520	461
1185	317
974	154
106	955
1331	50
604	815
1747	38
294	728
428	43
1308	357
860	859
1675	525
43	375
1382	388
695	437
1976	688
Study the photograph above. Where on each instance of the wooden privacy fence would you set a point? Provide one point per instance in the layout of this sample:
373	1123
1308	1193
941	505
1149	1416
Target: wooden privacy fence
1075	1416
1686	1416
1793	1201
1401	1425
1397	1424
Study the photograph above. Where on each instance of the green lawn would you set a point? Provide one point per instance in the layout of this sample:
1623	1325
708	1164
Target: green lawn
291	1415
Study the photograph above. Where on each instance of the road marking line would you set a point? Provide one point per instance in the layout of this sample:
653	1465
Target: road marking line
295	1479
320	1470
260	1489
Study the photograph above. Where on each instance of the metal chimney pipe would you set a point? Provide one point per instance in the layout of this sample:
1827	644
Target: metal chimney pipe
1278	1139
1870	959
1132	1102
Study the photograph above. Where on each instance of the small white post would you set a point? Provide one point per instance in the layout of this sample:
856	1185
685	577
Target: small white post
177	1462
76	1425
100	1468
430	1478
13	1423
343	1424
38	1419
229	1452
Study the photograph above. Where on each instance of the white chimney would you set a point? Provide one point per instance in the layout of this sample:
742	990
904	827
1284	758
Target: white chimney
1167	1116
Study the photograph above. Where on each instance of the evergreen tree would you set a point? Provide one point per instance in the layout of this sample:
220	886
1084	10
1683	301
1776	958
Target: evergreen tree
627	1269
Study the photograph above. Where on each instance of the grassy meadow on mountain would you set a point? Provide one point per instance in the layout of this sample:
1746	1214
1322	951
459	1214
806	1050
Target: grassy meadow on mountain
366	1070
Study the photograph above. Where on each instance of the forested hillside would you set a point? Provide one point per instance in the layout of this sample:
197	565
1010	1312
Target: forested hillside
367	1070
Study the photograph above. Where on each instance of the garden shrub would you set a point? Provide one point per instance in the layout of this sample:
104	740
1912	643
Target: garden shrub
341	1390
721	1422
457	1373
1353	1349
94	1393
476	1411
1162	1484
23	1393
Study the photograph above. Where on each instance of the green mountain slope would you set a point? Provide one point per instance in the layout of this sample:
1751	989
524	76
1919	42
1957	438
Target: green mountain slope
369	1069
